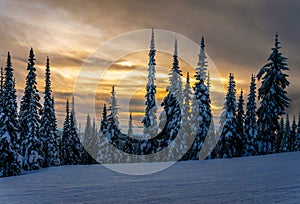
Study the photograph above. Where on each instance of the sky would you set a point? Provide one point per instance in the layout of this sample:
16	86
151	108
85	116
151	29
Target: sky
238	36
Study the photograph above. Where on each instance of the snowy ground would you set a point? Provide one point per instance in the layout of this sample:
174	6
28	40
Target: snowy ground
267	179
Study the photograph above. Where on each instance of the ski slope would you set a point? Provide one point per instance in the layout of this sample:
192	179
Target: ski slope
263	179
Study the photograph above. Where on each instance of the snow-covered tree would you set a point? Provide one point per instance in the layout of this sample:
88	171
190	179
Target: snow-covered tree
279	136
10	159
293	135
71	146
186	114
227	146
113	130
240	125
130	132
32	146
285	145
273	97
201	112
90	140
150	120
172	106
297	143
1	88
48	132
250	125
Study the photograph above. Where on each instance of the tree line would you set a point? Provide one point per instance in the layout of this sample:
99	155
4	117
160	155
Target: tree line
29	139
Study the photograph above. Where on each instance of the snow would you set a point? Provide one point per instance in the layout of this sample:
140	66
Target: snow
262	179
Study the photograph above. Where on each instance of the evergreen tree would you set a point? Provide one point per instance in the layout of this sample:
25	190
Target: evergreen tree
240	125
57	137
10	159
285	145
293	135
297	143
1	89
250	125
48	130
201	112
71	146
150	121
32	147
186	115
172	103
279	137
90	140
104	122
227	146
273	97
130	132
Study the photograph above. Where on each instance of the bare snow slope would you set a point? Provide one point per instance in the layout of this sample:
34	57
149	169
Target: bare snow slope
265	179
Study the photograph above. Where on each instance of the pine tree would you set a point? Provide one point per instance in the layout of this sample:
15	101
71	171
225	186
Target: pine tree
227	146
150	121
201	112
250	124
10	159
104	122
71	146
32	146
172	107
273	97
186	115
293	135
48	125
297	143
285	145
240	125
1	89
130	132
57	137
90	140
279	137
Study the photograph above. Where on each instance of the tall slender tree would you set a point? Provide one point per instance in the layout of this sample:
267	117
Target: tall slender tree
293	135
273	97
1	88
10	159
285	145
48	125
279	137
227	146
130	132
201	111
250	125
32	146
150	120
71	146
297	143
240	118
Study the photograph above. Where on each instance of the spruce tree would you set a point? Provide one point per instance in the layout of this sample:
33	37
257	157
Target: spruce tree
130	132
172	103
10	159
113	130
48	132
273	97
32	146
250	125
201	111
285	145
297	143
1	89
279	137
150	120
293	135
227	146
90	140
240	125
